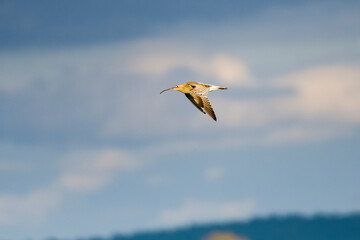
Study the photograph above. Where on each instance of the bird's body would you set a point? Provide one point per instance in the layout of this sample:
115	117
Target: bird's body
197	94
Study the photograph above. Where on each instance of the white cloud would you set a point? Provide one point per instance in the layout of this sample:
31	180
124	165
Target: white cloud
32	208
86	171
322	101
223	68
328	93
213	173
230	70
197	211
91	170
300	133
150	58
311	105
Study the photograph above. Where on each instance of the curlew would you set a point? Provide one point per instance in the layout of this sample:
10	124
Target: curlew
197	94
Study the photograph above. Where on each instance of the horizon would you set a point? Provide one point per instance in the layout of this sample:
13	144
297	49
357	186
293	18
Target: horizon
224	227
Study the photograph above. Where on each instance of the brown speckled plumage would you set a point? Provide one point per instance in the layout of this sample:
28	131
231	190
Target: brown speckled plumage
197	94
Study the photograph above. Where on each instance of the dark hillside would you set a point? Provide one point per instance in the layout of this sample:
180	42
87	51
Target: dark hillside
273	228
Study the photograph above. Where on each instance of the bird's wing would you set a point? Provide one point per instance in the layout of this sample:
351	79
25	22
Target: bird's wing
196	100
200	100
207	107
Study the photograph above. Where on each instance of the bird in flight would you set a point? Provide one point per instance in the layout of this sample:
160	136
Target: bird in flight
197	94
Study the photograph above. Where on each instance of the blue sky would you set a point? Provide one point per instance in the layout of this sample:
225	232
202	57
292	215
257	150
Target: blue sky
88	146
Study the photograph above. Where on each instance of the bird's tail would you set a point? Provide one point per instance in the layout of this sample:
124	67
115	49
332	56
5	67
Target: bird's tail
213	88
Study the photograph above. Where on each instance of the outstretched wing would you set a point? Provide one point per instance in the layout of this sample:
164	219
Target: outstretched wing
196	100
207	107
198	96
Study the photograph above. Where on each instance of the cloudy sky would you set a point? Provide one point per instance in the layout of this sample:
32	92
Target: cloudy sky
88	146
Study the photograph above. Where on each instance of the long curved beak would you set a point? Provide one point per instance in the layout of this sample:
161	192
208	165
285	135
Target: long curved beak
167	90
